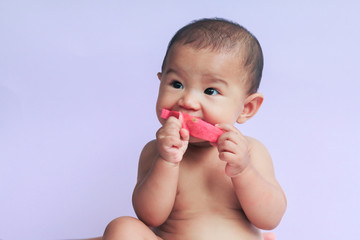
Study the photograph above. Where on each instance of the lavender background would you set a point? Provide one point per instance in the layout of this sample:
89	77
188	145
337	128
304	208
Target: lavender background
77	96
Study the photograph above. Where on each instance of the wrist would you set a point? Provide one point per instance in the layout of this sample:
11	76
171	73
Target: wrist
173	164
243	172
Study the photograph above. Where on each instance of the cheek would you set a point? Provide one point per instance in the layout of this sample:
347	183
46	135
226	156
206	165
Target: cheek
163	101
158	113
161	96
226	113
167	97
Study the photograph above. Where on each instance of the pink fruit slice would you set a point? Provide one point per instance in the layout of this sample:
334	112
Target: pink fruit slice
197	127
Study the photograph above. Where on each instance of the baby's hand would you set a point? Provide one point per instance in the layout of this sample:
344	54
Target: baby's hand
172	140
233	149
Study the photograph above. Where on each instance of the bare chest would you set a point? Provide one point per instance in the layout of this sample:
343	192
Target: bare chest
206	206
204	187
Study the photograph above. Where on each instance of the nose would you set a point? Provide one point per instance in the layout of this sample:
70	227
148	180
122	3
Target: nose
189	101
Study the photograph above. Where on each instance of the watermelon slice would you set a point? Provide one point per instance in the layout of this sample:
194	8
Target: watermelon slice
196	127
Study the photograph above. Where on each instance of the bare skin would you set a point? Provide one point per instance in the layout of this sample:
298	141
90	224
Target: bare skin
188	188
205	201
214	211
267	236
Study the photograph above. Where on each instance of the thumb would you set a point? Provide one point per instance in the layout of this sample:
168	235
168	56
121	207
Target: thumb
184	134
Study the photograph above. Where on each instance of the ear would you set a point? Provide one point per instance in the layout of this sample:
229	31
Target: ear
159	75
251	106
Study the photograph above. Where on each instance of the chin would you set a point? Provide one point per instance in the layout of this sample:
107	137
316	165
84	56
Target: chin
195	140
198	142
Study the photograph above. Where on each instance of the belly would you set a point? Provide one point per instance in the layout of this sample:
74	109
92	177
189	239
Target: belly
208	227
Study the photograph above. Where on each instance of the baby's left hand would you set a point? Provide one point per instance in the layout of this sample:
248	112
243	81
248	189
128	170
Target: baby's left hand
233	148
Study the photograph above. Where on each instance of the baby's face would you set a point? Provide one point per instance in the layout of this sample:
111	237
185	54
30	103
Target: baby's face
203	83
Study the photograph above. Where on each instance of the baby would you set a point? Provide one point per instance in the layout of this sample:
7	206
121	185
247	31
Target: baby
192	189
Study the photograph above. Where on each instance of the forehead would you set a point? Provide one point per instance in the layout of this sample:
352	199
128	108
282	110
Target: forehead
222	64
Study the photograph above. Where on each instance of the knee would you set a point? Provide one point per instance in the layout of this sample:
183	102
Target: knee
121	228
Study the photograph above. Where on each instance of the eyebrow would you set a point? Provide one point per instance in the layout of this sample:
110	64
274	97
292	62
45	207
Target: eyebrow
208	77
211	79
171	70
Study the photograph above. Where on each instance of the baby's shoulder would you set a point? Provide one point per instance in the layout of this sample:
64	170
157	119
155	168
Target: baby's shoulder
149	150
261	159
257	149
254	143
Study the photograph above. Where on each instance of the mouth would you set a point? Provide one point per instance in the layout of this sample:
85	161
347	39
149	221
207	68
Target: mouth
189	113
197	127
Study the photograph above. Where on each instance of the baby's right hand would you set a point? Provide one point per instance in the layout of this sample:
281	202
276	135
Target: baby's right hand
172	140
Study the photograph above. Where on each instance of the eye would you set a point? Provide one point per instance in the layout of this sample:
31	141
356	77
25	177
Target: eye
177	84
211	91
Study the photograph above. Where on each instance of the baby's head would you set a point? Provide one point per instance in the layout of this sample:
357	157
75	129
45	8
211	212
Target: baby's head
212	70
221	35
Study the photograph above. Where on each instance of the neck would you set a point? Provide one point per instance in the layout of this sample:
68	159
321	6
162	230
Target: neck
200	145
200	150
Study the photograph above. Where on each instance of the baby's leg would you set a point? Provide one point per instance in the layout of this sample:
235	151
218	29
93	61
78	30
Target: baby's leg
130	228
269	236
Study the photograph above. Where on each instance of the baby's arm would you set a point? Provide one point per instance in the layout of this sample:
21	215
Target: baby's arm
155	192
250	167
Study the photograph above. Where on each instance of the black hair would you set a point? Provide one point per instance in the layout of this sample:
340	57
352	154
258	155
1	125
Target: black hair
219	34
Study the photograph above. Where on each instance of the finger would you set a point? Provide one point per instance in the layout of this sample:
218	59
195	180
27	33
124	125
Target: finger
228	157
170	128
170	142
227	146
171	155
184	134
173	121
230	136
227	127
